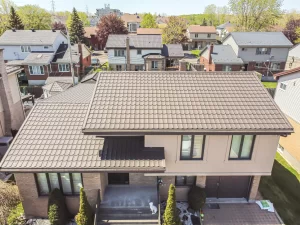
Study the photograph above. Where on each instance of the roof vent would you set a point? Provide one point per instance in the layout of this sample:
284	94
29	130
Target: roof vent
33	30
13	29
39	56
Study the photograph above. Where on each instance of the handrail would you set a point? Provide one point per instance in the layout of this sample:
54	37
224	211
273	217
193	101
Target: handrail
97	208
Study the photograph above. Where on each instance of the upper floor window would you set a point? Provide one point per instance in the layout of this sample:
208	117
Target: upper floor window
196	35
283	86
46	47
119	53
36	70
68	183
25	49
241	147
192	147
244	49
139	52
185	180
64	67
154	64
208	35
133	27
263	51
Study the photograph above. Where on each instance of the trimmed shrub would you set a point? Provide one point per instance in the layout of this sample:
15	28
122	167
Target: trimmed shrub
171	216
58	212
85	215
196	198
16	216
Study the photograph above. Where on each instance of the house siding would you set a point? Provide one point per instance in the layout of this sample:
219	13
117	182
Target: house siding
230	41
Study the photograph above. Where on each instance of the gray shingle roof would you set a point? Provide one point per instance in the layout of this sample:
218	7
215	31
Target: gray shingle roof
261	39
183	102
135	41
65	79
173	50
63	54
27	37
41	58
224	54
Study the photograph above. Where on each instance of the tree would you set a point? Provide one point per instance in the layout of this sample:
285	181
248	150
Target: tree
255	15
16	216
148	21
174	32
204	23
211	12
110	24
76	29
85	214
196	198
57	209
14	20
298	34
171	216
83	17
290	30
59	26
35	17
5	6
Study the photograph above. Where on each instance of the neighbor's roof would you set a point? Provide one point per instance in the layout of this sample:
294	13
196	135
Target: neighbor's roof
149	31
57	87
173	50
39	58
13	69
260	39
287	72
182	102
154	56
295	51
90	78
63	53
68	79
225	25
201	29
126	17
89	31
135	41
27	37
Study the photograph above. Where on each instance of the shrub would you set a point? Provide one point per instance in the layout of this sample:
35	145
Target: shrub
85	215
57	210
16	216
171	216
196	198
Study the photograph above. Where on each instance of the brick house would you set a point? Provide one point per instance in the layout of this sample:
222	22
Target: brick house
128	135
91	38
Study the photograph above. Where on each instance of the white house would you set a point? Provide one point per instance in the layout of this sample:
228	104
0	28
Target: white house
200	36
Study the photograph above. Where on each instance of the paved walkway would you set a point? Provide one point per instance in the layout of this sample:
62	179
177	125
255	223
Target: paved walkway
239	214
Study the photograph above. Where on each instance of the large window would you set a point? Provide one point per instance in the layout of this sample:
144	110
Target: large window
64	67
36	70
25	49
263	51
241	147
119	53
275	66
185	180
154	64
68	183
192	147
196	35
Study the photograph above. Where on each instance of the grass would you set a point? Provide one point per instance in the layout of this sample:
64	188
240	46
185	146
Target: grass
282	188
270	84
196	52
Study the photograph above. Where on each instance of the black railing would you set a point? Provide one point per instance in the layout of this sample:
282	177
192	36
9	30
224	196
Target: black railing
96	218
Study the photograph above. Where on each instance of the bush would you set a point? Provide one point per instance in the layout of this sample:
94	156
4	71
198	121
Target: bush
171	216
16	216
85	215
196	198
58	213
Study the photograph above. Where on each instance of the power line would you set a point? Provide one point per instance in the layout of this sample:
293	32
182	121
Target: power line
53	6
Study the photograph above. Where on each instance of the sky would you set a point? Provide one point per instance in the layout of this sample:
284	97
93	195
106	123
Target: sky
170	7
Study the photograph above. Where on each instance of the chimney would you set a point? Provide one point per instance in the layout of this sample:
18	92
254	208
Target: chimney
211	50
80	58
127	55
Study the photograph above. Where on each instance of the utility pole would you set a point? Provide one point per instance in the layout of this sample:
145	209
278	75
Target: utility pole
87	10
71	62
53	7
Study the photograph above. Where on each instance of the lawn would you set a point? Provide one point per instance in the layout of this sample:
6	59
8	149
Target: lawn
282	188
270	84
196	52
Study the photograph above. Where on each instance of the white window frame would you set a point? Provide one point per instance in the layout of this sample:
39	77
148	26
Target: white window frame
46	47
283	86
263	51
36	70
119	53
196	35
154	64
25	49
64	68
276	64
208	35
139	51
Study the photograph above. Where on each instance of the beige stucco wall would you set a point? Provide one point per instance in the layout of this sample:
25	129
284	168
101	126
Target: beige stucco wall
216	153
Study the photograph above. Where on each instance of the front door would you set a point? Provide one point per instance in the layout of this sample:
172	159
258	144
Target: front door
118	178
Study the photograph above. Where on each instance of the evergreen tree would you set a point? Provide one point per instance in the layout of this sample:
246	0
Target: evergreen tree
171	216
14	20
85	214
57	209
76	31
204	23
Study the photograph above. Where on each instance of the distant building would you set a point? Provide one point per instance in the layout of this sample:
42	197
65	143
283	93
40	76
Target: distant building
132	22
103	12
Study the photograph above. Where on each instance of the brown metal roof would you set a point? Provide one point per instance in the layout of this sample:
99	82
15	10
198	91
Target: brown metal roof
183	102
201	29
127	18
287	72
89	31
149	31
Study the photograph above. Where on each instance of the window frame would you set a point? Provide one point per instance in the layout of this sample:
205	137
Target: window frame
139	51
281	85
120	66
37	74
25	48
60	184
208	35
118	51
153	62
192	148
260	51
196	35
185	180
241	148
66	66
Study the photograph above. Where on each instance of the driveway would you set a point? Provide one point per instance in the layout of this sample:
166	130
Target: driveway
101	55
239	214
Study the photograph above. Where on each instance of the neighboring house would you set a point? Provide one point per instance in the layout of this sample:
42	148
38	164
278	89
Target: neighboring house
173	53
131	21
287	97
224	29
147	31
200	36
220	58
293	60
92	39
264	52
129	135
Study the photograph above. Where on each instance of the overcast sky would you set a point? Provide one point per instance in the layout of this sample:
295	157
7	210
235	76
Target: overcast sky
170	7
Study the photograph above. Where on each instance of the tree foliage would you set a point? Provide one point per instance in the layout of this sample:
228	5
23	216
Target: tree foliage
5	6
16	216
83	17
85	214
76	29
290	30
171	216
14	20
59	26
255	15
196	198
175	31
148	21
35	17
110	24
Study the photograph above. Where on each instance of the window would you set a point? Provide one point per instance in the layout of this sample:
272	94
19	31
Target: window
185	180
36	70
68	183
139	52
25	49
283	86
139	67
192	147
119	53
241	147
46	47
226	68
244	49
196	35
119	67
275	66
133	27
208	35
154	64
263	51
64	67
258	65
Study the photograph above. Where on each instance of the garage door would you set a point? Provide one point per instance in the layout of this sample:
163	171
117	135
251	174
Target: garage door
227	186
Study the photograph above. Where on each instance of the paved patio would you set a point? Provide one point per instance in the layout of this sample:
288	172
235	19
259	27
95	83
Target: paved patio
239	214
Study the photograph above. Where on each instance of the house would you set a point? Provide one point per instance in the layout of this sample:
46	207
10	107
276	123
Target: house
293	60
264	52
92	39
131	21
287	98
224	29
220	58
173	53
200	36
129	135
151	31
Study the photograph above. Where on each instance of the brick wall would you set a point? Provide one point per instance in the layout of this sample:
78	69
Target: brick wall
254	188
140	179
36	77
